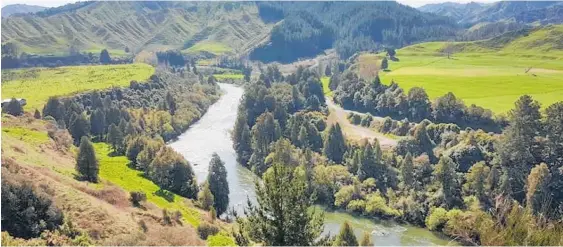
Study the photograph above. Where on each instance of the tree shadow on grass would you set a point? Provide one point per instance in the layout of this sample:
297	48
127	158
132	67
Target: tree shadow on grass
167	195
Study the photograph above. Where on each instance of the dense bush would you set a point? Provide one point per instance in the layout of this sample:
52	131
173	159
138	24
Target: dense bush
26	211
205	230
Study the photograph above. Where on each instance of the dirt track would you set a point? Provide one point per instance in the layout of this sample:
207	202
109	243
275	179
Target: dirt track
355	132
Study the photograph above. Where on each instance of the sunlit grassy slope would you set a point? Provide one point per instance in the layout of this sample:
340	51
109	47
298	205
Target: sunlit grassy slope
115	170
36	85
491	73
214	47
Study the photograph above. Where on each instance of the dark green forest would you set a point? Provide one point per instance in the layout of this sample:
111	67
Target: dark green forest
308	28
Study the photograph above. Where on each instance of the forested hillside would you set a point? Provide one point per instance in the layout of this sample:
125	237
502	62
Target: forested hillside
309	28
283	31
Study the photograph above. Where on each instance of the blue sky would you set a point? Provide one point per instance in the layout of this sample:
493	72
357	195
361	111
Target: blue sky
54	3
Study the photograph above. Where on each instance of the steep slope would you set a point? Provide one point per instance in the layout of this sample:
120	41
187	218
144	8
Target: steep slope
454	10
91	26
520	11
12	9
308	28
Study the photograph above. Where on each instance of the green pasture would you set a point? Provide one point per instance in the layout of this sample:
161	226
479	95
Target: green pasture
115	170
490	81
36	85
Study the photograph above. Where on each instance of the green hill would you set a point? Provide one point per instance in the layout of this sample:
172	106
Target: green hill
490	73
544	42
136	25
12	9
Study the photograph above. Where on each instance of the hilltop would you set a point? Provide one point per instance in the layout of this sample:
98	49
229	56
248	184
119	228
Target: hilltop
12	9
472	13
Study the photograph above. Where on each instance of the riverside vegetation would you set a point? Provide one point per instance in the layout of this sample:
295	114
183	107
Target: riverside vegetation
470	185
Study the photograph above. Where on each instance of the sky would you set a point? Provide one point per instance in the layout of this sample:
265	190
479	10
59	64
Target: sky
55	3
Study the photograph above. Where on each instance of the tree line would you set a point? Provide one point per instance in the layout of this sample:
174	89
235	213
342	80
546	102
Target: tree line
12	57
379	99
481	188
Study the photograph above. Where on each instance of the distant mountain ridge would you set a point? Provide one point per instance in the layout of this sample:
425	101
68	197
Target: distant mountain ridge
292	29
520	11
12	9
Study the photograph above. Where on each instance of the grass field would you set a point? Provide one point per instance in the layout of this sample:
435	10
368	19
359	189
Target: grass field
36	85
326	90
482	73
229	76
115	170
209	46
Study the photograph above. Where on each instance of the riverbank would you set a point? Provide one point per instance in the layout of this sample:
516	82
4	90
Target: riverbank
212	133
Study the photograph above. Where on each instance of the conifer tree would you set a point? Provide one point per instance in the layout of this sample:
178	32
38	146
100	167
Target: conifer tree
282	216
334	144
98	123
78	127
447	177
346	236
115	138
218	184
407	171
86	162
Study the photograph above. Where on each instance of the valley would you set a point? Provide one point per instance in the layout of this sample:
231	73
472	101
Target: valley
282	124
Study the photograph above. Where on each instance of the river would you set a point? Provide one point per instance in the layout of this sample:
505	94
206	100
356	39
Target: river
212	134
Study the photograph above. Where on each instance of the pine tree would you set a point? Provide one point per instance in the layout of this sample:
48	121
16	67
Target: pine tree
115	138
515	149
366	240
335	144
447	177
407	171
78	127
346	236
205	197
218	184
282	216
384	63
98	123
104	57
86	162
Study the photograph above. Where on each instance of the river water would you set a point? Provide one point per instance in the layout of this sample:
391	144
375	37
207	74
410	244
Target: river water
212	133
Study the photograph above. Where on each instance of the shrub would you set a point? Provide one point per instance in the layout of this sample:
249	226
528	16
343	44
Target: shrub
205	230
26	211
137	197
436	219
